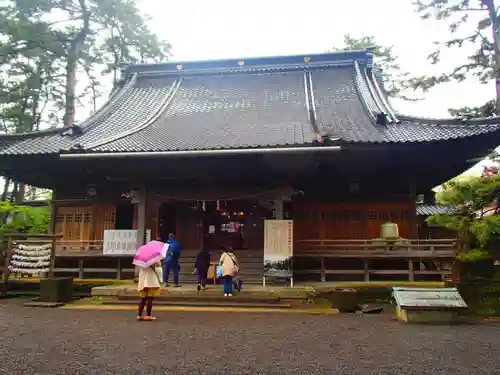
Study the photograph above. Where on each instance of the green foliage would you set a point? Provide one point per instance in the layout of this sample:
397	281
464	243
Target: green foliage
471	198
25	219
486	110
484	37
474	255
46	46
395	81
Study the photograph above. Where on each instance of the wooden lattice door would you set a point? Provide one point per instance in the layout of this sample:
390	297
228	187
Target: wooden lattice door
74	223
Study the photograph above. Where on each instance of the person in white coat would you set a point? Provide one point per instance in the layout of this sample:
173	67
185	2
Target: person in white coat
230	269
148	285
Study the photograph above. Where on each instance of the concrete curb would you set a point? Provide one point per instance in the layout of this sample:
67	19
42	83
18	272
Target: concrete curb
198	309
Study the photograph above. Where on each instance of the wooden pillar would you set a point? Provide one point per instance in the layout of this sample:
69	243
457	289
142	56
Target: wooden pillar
52	257
323	270
278	209
413	212
141	216
53	213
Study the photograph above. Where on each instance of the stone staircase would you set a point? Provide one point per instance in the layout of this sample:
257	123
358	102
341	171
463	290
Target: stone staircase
208	301
251	265
187	296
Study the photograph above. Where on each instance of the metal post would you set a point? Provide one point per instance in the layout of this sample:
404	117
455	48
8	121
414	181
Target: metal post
411	271
119	269
366	270
80	268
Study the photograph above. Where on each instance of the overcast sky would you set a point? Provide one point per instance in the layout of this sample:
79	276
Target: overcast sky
216	29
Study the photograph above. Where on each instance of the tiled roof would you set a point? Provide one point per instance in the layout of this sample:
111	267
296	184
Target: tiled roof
428	210
252	103
341	113
228	111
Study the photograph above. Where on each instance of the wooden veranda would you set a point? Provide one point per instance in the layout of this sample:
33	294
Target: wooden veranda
314	260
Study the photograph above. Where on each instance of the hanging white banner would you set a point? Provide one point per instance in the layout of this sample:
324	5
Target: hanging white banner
278	247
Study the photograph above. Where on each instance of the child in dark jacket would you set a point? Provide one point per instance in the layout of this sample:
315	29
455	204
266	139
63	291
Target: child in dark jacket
201	268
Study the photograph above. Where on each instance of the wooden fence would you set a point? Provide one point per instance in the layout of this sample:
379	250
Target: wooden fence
363	259
85	260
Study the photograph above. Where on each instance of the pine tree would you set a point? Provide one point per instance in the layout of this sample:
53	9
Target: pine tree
483	63
386	64
475	219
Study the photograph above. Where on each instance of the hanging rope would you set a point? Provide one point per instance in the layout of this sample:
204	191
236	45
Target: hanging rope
222	198
31	259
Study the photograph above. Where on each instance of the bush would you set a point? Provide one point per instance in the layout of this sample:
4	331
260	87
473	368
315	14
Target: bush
23	219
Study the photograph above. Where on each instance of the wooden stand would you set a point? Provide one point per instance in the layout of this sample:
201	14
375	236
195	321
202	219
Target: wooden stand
25	239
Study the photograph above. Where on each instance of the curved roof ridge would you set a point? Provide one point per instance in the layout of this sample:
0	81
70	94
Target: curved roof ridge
118	94
380	92
168	98
115	96
363	93
36	133
494	120
242	63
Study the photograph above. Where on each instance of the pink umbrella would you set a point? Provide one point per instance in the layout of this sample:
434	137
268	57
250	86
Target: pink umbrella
150	253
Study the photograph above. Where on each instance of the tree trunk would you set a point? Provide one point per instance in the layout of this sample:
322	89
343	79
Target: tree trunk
21	187
72	63
14	191
495	31
5	189
69	115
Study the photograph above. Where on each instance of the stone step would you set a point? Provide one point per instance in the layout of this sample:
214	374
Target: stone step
223	302
206	297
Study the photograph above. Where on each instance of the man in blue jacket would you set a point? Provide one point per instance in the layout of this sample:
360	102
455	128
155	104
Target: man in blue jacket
172	260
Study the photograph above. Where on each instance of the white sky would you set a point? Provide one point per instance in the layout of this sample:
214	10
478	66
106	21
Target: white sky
216	29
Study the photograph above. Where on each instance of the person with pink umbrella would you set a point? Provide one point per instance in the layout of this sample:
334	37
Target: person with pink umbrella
147	262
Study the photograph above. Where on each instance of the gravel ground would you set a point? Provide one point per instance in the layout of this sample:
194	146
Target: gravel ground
50	341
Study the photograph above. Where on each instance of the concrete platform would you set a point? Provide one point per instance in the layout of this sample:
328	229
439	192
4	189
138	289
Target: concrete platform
130	290
298	292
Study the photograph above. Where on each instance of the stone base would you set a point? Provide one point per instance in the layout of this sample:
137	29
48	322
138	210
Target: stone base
57	289
428	316
43	304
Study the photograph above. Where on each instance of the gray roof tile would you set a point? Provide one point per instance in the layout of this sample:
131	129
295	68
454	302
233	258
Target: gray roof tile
261	102
428	210
228	111
341	112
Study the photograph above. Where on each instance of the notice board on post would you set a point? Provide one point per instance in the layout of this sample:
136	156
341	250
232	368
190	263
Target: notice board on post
278	248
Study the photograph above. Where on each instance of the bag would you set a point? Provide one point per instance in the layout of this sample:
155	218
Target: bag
235	263
219	271
159	273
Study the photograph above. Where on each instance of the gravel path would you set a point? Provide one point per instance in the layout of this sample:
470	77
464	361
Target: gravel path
49	341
